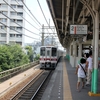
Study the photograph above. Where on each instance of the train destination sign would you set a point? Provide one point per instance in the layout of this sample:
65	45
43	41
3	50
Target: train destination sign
78	29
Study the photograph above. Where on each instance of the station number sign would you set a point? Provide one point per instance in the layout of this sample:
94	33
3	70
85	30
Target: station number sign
78	29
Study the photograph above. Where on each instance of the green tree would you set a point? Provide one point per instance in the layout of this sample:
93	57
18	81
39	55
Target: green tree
29	53
19	55
5	58
37	57
12	56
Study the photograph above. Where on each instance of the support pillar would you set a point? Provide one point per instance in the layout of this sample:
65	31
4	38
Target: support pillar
68	53
95	65
74	52
80	50
43	35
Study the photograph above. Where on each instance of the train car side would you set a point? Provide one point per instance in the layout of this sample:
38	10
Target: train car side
59	55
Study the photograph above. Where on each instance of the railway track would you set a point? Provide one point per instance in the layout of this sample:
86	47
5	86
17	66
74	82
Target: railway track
34	89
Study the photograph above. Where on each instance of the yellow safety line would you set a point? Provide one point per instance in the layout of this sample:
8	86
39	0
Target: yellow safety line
92	94
66	87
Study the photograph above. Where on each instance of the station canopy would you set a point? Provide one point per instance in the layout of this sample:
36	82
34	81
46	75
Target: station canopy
72	12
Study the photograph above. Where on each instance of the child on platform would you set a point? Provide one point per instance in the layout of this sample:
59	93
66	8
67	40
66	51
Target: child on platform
81	73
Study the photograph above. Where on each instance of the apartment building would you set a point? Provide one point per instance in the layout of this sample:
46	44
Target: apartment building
11	22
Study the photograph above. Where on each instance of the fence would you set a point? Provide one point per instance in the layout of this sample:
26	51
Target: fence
12	72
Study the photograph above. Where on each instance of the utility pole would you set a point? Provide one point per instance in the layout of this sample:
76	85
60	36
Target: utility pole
52	41
43	35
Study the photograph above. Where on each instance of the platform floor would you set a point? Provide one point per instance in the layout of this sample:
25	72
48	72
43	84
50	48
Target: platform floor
62	85
83	95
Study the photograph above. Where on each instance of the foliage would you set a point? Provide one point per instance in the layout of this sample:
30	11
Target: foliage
11	56
29	53
37	57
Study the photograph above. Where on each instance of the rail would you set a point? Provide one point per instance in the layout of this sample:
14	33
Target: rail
12	72
31	89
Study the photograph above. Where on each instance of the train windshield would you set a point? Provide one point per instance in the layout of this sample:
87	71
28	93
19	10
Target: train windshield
48	52
54	52
42	51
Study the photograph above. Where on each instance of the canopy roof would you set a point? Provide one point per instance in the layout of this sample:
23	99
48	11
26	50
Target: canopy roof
67	12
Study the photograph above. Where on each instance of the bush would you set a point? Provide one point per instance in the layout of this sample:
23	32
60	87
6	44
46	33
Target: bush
12	56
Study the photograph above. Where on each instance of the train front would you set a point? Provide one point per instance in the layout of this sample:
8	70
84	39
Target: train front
48	57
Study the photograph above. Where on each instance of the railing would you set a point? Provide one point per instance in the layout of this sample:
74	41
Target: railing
12	72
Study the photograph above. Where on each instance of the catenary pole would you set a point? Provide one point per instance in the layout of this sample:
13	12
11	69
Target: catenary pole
43	35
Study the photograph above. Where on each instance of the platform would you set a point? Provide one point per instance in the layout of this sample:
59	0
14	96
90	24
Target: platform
62	85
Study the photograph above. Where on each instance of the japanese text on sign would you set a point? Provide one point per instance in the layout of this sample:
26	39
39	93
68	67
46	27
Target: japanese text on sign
78	29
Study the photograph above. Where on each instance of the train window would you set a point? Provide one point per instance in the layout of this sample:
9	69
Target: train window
54	51
42	51
48	53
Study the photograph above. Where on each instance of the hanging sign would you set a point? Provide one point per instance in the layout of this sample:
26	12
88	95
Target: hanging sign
78	29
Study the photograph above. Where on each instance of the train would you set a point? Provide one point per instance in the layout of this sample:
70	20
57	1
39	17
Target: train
49	57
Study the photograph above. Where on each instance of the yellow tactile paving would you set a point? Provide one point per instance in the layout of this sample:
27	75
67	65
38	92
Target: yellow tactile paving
66	87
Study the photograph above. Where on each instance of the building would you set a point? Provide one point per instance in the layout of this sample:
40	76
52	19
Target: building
11	22
35	46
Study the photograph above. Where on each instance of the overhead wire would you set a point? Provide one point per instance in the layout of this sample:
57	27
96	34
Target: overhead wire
18	31
45	18
20	15
30	11
19	24
43	13
28	14
3	31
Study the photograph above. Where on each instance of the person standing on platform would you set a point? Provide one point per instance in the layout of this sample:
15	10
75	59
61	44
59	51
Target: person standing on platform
87	56
89	65
81	72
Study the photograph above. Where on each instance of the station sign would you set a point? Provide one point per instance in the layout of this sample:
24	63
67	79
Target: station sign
78	29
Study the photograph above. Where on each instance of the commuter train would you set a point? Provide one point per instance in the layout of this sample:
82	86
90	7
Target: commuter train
49	57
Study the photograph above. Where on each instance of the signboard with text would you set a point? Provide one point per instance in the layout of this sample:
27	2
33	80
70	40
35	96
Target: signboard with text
78	29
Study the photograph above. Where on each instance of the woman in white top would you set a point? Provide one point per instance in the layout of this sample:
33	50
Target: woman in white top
80	71
89	66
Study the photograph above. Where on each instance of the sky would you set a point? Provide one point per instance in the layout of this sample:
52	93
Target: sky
34	7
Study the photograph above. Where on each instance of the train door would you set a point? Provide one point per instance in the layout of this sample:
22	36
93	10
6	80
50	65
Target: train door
54	57
48	57
42	57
